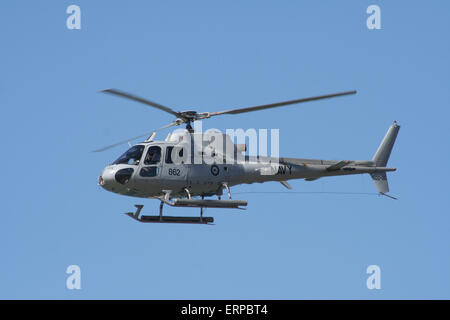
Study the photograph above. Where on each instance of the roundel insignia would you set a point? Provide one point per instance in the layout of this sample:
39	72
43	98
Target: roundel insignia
214	170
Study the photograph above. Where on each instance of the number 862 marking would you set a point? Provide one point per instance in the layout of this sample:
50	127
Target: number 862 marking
174	172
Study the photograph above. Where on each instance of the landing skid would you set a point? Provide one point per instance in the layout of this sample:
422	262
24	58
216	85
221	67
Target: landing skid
189	202
168	219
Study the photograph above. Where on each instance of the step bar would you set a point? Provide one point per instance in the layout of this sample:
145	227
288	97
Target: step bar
171	219
199	203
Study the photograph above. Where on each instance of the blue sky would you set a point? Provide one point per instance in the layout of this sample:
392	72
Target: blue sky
211	55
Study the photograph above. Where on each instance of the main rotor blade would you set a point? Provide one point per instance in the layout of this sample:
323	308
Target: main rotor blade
280	104
141	100
135	138
122	142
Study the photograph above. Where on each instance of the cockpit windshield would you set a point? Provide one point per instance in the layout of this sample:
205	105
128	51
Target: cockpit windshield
132	156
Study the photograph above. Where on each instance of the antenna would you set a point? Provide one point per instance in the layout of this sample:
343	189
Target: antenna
151	137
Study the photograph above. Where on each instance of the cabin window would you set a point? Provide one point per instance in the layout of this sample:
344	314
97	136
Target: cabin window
131	156
153	155
170	153
149	172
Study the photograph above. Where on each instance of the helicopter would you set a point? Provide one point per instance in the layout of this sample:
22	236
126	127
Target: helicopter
188	166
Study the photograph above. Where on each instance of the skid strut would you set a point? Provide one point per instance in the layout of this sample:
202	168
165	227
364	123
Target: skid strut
225	185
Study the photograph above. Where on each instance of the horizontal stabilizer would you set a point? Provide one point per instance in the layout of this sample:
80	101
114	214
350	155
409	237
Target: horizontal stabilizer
338	165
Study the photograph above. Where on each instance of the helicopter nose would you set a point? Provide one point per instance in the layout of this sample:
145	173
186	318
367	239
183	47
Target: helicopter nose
113	179
106	179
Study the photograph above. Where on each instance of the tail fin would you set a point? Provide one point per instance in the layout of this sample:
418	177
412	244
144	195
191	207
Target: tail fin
381	158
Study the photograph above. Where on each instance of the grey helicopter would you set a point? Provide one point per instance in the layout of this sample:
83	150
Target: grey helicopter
189	166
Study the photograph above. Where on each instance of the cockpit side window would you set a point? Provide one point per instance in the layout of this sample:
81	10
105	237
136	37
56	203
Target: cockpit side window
131	156
153	155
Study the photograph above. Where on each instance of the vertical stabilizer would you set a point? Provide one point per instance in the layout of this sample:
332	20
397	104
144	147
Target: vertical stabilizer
381	182
381	157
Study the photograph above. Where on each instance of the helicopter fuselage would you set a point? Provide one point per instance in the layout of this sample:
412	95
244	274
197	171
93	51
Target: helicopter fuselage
149	171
